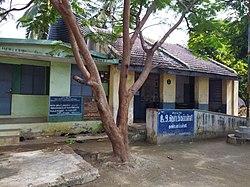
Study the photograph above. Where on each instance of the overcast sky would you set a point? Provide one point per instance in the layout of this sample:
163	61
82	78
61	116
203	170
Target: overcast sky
180	36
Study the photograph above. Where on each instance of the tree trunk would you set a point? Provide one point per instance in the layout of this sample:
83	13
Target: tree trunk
122	120
116	136
91	74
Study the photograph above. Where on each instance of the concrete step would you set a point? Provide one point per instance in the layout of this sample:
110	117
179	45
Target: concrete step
137	132
9	136
244	129
137	127
232	139
240	134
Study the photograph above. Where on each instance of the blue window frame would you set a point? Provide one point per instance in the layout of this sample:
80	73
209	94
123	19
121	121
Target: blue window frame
34	80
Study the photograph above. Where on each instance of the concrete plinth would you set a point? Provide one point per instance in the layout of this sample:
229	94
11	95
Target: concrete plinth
232	139
43	168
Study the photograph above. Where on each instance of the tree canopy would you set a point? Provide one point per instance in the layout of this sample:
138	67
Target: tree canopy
223	39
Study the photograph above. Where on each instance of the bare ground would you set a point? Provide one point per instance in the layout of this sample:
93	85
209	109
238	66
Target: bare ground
202	163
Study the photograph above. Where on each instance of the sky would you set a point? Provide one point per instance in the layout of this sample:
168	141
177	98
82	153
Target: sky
180	36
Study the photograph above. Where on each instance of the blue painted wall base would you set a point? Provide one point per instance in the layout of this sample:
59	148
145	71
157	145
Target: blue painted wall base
168	105
202	106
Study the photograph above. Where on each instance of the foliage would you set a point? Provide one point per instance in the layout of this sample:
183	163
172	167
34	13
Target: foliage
37	18
3	17
41	14
224	40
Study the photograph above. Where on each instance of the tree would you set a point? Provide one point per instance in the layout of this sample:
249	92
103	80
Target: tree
118	132
134	16
224	40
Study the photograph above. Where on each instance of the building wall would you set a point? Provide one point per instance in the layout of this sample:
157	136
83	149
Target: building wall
60	79
29	105
201	93
204	125
25	105
54	128
168	90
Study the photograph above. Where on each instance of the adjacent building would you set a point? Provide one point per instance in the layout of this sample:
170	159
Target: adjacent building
38	94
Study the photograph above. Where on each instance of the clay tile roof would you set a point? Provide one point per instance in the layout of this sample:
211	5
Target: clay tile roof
175	57
198	64
138	56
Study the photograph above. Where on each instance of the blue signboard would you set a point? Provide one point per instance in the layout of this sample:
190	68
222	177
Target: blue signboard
176	122
65	105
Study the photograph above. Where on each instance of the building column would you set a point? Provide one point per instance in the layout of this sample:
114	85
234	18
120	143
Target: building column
60	76
202	93
114	90
167	91
130	82
230	97
235	98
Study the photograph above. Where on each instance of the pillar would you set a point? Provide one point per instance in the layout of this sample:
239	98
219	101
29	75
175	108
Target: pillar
130	82
235	98
167	91
114	90
230	90
201	93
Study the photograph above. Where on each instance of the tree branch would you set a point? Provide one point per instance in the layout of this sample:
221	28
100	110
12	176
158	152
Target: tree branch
137	17
182	4
142	22
77	56
4	14
188	26
143	43
185	11
143	76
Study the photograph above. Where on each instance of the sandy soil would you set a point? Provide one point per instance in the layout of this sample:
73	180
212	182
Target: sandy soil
202	163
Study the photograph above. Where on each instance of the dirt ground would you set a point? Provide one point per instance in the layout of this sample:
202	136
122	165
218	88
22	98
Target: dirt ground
202	163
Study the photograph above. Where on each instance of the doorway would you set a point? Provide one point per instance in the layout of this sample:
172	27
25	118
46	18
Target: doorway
215	95
5	89
147	97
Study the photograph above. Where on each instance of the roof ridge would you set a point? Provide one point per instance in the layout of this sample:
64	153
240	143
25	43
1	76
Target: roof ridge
162	49
223	66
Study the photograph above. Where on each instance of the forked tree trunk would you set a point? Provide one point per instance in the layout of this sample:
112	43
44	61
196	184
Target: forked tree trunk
117	133
91	74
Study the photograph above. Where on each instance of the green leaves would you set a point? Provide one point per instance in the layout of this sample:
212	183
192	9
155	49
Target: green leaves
224	40
37	19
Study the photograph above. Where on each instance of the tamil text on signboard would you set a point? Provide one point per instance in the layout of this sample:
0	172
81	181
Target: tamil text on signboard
176	122
65	105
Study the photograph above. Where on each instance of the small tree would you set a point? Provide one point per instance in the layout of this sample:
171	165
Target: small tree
118	131
132	16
